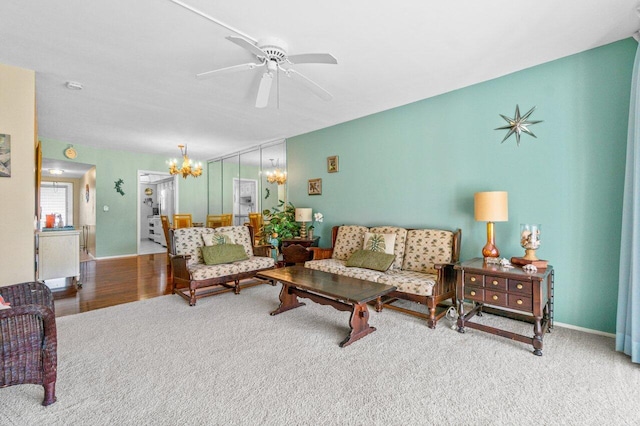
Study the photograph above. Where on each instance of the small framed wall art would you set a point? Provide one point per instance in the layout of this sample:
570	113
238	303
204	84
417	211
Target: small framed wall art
332	164
5	156
315	186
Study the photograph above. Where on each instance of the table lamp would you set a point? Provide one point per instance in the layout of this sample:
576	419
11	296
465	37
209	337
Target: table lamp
491	207
303	215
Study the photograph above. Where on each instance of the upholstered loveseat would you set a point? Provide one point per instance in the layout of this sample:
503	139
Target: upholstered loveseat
193	278
422	269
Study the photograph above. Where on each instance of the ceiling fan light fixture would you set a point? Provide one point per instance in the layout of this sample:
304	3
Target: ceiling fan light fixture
275	49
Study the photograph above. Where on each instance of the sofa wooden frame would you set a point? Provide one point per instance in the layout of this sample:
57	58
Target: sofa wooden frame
191	290
443	290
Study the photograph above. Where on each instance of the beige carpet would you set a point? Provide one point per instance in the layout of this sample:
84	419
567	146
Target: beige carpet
226	361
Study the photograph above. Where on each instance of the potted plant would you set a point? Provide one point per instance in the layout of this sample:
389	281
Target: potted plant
317	217
280	222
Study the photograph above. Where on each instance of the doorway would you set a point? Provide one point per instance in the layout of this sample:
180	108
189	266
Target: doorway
245	199
157	195
77	181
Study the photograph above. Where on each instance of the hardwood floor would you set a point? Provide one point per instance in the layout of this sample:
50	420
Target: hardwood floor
111	282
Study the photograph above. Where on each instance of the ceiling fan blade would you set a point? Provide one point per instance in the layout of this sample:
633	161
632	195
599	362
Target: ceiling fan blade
315	88
312	58
246	44
263	90
233	68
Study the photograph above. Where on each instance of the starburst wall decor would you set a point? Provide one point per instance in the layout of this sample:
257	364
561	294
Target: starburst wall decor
518	124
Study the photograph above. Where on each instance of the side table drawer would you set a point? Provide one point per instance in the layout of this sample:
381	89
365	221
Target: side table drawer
519	302
495	298
474	279
523	287
474	293
496	283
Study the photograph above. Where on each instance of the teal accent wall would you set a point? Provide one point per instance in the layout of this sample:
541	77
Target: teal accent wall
116	230
420	164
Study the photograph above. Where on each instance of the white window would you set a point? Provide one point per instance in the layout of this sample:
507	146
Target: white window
56	198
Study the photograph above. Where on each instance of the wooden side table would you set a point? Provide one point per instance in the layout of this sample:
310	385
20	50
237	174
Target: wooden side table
294	250
511	292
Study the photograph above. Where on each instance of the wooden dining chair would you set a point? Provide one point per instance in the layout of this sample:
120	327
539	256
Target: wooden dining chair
256	220
214	221
227	219
218	220
182	220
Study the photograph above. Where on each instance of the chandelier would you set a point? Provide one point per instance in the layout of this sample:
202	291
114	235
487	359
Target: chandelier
277	175
188	168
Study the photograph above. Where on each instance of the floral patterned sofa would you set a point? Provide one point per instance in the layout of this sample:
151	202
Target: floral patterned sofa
422	269
193	278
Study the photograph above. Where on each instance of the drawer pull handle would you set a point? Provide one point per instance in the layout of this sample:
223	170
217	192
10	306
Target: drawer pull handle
519	286
519	302
473	279
494	297
494	282
473	293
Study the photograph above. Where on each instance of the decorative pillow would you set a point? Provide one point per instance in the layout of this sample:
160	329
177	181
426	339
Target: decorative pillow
217	238
401	239
368	259
383	243
223	253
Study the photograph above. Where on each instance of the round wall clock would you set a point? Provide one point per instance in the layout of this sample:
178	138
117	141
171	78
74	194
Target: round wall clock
70	153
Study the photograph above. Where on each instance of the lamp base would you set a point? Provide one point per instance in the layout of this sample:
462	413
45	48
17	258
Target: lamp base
303	231
540	264
530	254
490	250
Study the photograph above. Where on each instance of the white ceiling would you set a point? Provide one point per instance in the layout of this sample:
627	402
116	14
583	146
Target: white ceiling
70	169
137	61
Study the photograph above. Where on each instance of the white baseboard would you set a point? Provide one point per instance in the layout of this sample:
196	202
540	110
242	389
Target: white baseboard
115	257
586	330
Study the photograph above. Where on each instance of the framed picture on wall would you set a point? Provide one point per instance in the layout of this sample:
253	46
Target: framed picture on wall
5	156
315	186
332	164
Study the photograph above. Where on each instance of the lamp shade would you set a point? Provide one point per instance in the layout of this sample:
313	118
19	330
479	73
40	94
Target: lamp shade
491	206
303	215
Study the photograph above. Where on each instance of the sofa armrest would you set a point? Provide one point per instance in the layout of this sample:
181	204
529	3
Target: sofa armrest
446	278
321	253
262	250
179	266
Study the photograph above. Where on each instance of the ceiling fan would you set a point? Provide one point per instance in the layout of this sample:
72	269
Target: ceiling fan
272	56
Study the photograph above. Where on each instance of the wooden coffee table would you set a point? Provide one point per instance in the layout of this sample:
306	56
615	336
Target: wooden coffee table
343	293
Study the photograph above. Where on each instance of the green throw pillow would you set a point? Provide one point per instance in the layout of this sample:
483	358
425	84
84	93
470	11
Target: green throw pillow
375	260
223	253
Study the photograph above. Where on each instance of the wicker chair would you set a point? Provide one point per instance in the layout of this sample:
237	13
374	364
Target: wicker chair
28	338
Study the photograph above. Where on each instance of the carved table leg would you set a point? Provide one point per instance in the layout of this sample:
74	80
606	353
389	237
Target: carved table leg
359	323
537	339
287	301
460	316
